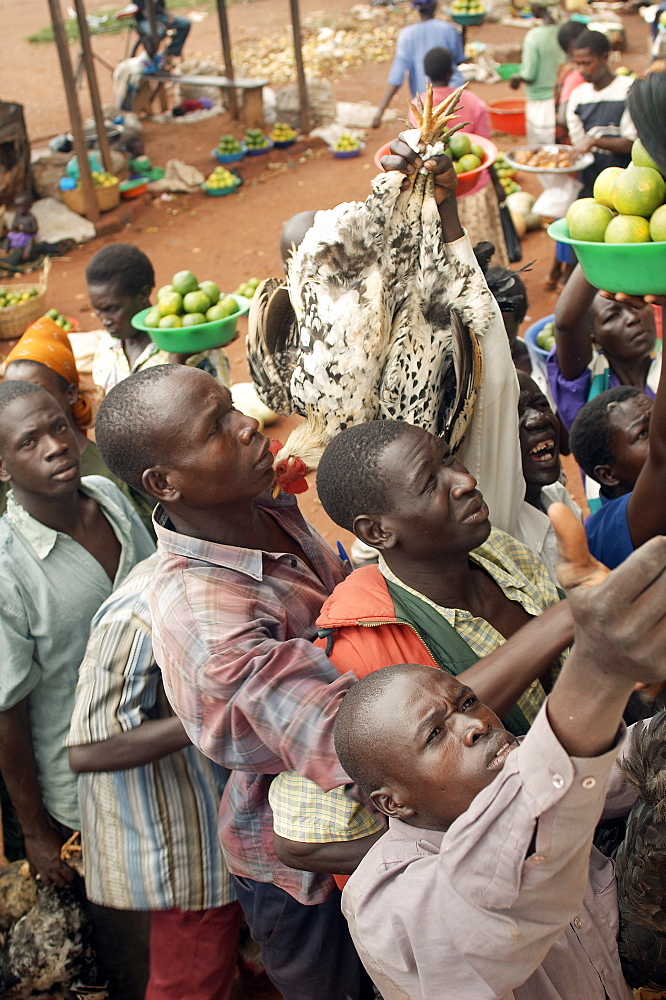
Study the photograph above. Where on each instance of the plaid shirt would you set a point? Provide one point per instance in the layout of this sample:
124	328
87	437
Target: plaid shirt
232	631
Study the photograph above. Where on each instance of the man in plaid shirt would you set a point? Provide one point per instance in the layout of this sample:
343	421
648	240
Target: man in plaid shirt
239	585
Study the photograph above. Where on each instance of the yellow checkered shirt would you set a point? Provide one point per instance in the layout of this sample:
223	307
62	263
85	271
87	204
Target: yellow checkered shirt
305	813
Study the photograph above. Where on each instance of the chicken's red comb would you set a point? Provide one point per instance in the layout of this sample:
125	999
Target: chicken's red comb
275	446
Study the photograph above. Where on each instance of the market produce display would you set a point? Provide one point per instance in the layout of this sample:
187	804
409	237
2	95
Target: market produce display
60	320
188	302
546	337
347	143
546	157
506	174
221	181
104	179
247	288
228	146
9	297
282	134
467	7
256	141
627	207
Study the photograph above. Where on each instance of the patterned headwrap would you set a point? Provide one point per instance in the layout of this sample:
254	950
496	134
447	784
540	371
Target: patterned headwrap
46	343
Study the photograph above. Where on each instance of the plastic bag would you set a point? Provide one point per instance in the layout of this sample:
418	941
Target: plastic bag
513	247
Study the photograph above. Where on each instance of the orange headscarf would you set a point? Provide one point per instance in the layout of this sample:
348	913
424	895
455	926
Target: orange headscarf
44	341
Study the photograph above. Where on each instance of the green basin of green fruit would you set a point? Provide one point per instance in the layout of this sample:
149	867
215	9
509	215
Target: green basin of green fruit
190	339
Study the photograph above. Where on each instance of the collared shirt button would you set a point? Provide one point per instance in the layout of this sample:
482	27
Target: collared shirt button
558	781
577	923
589	782
539	858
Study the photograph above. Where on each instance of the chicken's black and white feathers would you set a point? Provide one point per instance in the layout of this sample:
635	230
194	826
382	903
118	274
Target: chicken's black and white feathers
385	324
641	862
48	946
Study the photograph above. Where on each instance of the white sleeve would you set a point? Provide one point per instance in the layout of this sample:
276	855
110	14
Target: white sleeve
491	448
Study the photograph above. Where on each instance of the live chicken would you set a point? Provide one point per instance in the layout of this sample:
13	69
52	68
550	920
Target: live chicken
378	319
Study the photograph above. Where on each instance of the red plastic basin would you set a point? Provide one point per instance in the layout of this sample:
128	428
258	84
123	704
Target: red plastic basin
467	180
508	116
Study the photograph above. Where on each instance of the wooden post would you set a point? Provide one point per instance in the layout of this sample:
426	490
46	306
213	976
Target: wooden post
300	70
226	52
152	21
80	148
89	64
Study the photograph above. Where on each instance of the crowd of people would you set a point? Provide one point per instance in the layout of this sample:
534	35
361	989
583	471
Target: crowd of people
388	776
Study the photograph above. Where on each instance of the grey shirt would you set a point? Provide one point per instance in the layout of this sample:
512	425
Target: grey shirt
482	913
50	587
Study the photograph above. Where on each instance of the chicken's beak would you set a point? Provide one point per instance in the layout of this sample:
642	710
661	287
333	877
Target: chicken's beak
277	489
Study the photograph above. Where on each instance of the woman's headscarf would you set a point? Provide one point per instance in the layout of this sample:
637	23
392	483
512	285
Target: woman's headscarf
46	343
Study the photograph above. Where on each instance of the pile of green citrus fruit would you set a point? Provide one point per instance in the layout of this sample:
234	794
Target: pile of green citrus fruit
59	320
188	302
10	297
466	155
506	174
627	207
467	7
281	132
221	178
228	146
247	288
255	139
545	338
346	143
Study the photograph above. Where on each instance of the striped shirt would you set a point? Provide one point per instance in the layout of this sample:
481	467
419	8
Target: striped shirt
149	833
232	632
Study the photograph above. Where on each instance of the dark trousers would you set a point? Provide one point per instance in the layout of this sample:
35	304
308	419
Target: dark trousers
179	25
307	950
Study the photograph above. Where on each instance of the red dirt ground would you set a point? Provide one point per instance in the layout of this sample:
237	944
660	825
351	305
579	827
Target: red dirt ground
231	239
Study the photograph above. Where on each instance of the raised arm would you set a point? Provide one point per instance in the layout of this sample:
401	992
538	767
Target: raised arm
646	510
620	636
573	334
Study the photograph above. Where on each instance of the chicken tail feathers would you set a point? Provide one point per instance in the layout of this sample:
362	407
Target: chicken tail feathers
272	344
641	862
468	366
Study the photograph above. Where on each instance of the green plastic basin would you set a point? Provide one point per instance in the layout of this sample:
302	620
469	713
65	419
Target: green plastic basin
632	268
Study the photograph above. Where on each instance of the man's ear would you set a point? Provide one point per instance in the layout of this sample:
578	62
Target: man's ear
372	530
156	482
4	474
391	803
605	475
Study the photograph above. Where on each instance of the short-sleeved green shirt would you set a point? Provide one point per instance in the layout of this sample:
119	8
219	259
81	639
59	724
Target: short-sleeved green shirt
50	587
542	56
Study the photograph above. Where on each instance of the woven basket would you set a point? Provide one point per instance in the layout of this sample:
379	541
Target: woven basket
14	320
107	198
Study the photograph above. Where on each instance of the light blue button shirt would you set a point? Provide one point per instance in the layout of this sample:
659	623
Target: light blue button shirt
50	588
